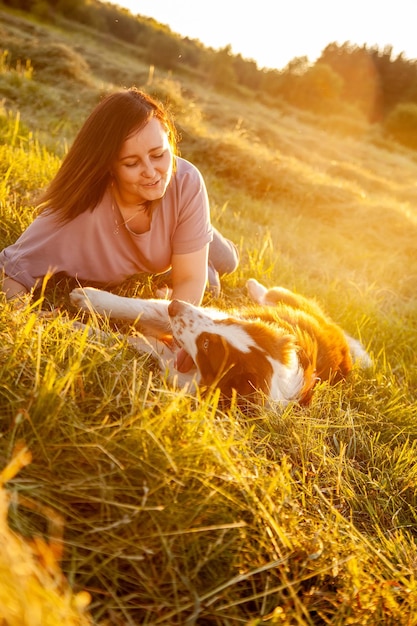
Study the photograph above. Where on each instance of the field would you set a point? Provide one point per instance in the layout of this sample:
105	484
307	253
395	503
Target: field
124	502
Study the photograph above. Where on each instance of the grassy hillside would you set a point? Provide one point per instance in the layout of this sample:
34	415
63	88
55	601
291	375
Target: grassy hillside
140	505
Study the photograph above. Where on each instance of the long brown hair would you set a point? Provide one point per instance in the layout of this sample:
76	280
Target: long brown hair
84	175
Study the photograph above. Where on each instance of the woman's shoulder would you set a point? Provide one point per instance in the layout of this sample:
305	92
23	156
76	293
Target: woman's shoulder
186	168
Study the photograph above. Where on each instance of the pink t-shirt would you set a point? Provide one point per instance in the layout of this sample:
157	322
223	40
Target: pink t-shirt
92	248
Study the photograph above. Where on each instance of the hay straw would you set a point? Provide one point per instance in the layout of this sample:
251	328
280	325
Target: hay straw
33	591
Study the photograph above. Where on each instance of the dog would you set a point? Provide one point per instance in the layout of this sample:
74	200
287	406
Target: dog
272	352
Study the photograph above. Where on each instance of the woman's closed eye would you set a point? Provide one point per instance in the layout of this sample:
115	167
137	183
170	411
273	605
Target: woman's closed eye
153	156
160	155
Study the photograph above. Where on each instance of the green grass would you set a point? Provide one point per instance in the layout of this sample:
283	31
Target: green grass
169	509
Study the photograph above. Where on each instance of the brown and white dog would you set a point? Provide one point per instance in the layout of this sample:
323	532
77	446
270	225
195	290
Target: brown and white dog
272	352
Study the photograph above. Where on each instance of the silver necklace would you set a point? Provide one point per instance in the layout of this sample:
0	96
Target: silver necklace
116	222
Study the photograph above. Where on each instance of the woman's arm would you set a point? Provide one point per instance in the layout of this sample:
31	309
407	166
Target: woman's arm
12	288
189	276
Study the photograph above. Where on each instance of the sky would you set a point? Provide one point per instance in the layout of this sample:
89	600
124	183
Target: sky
273	32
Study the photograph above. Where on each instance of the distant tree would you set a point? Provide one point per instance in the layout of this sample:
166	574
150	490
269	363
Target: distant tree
317	89
297	66
221	70
70	8
121	23
401	125
272	83
398	78
25	5
280	83
42	9
163	48
247	72
361	80
320	87
191	52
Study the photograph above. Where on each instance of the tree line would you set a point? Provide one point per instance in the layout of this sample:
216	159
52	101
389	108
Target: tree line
366	79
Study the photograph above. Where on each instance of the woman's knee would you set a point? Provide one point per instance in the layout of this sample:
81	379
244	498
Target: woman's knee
223	254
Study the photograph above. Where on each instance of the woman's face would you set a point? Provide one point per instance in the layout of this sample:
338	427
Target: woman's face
143	168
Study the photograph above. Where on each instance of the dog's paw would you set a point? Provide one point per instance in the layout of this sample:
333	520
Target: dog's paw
255	290
89	298
80	298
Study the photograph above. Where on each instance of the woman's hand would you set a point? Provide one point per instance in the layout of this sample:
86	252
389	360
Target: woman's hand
183	361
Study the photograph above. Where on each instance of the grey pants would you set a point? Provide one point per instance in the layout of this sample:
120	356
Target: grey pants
223	254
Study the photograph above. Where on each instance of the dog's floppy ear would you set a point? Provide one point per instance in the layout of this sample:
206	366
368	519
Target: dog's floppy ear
232	371
246	383
212	357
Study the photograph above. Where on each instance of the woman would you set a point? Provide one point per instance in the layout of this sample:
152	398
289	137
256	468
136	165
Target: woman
122	203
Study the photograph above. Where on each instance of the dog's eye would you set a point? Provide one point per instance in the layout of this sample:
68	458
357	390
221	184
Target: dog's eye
206	344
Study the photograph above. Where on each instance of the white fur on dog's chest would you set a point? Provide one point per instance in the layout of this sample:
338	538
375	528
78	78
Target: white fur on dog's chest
287	380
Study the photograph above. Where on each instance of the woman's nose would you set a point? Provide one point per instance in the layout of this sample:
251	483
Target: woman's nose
148	168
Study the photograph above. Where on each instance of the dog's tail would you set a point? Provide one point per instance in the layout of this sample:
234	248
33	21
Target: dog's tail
360	356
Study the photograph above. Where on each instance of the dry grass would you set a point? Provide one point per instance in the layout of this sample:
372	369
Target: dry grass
33	591
163	508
